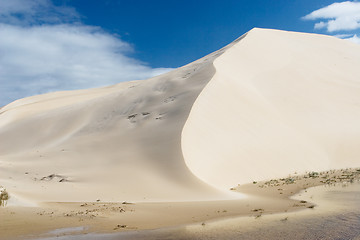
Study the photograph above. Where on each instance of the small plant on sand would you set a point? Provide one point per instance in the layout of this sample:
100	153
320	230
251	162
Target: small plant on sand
314	175
4	196
289	180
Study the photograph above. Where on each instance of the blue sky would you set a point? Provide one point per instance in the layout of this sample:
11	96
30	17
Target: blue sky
52	45
173	33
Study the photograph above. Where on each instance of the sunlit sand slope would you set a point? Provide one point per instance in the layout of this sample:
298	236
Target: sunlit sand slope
279	102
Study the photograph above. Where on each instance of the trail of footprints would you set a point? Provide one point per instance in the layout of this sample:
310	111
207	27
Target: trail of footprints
133	118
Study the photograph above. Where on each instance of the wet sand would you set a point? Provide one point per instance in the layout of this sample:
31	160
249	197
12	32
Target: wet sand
266	200
336	216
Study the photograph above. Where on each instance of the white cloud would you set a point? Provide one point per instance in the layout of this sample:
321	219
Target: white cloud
27	12
38	58
342	36
320	25
354	39
339	16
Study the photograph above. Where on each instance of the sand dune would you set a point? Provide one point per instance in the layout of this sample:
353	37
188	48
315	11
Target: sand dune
116	143
279	102
267	105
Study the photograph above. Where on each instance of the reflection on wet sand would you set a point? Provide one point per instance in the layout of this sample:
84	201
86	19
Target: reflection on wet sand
336	216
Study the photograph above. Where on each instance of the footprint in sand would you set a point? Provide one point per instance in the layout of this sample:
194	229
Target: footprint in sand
170	99
53	176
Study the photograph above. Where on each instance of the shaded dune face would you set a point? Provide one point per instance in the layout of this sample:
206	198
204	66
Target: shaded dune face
116	143
279	103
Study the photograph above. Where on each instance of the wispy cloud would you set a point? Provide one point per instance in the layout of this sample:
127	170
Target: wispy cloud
45	48
28	12
337	16
347	35
341	17
351	37
354	39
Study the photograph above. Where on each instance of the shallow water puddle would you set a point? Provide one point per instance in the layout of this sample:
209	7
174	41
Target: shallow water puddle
67	230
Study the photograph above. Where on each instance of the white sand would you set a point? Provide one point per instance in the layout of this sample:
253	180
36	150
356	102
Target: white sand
272	103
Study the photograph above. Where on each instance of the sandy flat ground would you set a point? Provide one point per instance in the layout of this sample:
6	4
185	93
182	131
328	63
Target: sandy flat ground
266	197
